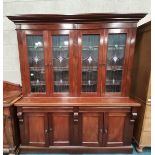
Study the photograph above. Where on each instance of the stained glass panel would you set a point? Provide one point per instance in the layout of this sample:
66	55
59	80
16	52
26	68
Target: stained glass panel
36	63
60	55
115	60
90	49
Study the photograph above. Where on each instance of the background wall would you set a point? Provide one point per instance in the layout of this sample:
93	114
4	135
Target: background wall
11	68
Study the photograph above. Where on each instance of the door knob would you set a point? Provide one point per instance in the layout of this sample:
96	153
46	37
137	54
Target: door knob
46	131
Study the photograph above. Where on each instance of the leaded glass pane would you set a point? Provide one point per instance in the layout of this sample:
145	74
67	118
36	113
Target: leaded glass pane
36	63
60	55
90	49
115	60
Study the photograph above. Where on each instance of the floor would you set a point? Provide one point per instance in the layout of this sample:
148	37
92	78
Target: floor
146	151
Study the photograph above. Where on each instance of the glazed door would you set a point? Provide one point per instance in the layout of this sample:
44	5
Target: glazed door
61	63
60	128
35	129
91	128
117	45
33	60
117	128
90	50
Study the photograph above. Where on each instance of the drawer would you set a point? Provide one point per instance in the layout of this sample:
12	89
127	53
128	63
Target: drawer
147	124
146	139
148	111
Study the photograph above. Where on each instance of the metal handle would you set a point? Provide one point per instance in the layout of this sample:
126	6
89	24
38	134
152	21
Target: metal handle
105	130
46	131
101	130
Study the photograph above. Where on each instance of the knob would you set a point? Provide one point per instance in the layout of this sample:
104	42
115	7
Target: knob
105	130
101	130
46	131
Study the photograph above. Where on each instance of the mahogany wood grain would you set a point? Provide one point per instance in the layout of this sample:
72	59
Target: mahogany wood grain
76	101
76	122
115	128
61	128
87	26
91	129
11	92
79	18
77	150
142	63
35	129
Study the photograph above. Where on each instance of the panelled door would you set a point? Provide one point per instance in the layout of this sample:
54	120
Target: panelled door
90	46
34	58
60	128
35	129
91	128
61	62
116	128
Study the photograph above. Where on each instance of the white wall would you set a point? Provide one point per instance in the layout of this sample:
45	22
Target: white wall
11	68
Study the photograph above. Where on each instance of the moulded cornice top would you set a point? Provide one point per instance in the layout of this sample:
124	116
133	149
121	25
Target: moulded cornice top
78	18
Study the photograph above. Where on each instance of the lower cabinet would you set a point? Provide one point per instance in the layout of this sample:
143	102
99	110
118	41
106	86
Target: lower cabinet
91	128
60	128
35	129
115	128
87	126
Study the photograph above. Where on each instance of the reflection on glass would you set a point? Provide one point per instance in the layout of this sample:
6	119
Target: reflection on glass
90	49
115	60
36	63
60	54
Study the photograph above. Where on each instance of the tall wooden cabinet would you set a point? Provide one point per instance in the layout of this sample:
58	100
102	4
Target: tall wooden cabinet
76	77
141	90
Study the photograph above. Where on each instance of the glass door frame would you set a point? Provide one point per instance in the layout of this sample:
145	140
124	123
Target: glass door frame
26	79
125	64
100	55
71	65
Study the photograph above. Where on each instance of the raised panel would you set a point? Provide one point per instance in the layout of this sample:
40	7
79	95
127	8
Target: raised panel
91	125
115	128
61	123
35	129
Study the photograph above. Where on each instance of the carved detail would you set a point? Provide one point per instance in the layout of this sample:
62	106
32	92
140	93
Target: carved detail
133	115
20	117
76	116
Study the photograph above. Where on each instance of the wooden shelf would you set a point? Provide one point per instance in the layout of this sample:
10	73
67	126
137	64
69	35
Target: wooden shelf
63	83
40	83
111	83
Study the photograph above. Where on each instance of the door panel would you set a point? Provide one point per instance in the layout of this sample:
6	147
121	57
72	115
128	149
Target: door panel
36	129
61	60
91	127
60	124
35	57
115	126
117	55
89	47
